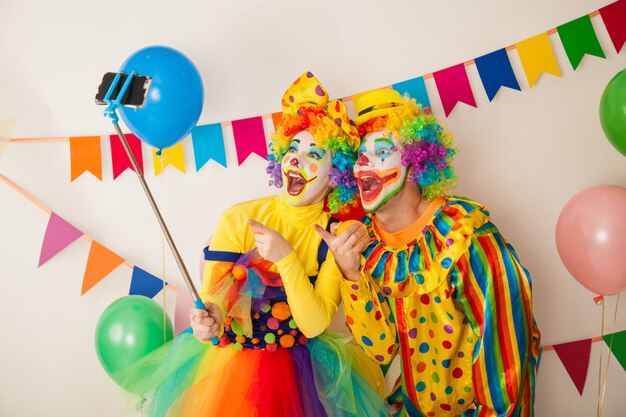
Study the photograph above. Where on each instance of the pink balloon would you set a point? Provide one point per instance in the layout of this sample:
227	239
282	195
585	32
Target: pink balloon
591	238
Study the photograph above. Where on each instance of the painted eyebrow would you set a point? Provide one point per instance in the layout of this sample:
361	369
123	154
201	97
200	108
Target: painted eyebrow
383	139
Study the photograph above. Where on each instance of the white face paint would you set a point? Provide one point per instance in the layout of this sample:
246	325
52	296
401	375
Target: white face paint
305	169
379	171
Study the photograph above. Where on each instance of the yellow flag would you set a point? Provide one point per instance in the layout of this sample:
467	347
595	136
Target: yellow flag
173	155
537	57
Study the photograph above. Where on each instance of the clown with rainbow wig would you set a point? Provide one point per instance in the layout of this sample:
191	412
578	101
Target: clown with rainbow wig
271	288
436	284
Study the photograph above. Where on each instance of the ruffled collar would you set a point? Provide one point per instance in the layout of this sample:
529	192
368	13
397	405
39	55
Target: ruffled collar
299	216
419	266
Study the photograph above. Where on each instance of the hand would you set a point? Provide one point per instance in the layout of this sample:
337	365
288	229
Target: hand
206	323
269	243
346	248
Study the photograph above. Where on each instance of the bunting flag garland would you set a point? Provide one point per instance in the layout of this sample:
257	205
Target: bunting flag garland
537	57
85	156
120	159
144	283
579	38
614	16
416	88
100	263
59	235
617	343
249	138
575	358
454	87
174	155
495	71
208	143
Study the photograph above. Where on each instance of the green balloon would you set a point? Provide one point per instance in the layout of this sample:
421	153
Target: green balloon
613	111
128	329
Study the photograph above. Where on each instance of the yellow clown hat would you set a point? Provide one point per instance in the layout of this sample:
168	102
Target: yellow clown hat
375	104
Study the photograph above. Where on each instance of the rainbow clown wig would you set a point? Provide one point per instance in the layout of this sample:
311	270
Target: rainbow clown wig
306	107
427	146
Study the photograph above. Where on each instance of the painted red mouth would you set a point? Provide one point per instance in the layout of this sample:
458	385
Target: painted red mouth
296	182
371	183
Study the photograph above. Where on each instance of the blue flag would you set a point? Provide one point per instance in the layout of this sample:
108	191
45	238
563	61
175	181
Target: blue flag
414	87
208	143
495	71
144	283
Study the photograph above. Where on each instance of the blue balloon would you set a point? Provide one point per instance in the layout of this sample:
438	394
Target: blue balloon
174	101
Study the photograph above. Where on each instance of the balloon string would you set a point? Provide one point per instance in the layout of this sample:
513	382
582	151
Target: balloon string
162	161
608	361
599	409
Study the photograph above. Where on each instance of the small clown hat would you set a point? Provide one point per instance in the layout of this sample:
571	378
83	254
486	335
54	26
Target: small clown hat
375	104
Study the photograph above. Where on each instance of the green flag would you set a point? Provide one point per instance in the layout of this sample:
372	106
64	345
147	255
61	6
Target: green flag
617	343
579	38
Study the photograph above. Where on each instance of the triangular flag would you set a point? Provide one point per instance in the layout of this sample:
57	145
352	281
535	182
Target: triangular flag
276	118
184	303
58	236
575	359
249	138
85	155
144	283
617	343
208	143
537	57
579	38
174	155
454	87
614	16
100	263
495	71
6	131
119	157
416	88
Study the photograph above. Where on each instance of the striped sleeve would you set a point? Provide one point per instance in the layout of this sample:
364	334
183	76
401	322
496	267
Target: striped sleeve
495	293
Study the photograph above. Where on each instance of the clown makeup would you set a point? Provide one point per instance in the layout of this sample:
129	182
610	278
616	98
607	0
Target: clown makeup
379	171
305	169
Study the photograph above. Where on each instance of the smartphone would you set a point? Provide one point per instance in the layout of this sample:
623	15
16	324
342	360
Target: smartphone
134	96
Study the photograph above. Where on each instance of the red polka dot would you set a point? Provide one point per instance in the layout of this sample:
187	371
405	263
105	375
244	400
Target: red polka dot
446	344
445	407
378	315
354	297
349	320
390	349
425	299
413	314
401	286
431	334
457	373
431	414
421	367
411	351
446	294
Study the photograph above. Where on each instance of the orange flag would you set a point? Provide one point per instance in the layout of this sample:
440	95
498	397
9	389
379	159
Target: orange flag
86	155
100	263
276	119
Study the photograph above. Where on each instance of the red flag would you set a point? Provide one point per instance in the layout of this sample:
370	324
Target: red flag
454	86
119	157
575	358
614	18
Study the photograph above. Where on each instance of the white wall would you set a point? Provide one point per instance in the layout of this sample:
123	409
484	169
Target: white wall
524	155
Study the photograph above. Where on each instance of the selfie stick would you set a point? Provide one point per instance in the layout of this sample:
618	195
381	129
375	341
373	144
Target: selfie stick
111	112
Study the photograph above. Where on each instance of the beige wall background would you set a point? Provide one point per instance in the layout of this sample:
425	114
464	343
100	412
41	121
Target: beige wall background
524	155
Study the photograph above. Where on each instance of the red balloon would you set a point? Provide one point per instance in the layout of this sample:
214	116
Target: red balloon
591	238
